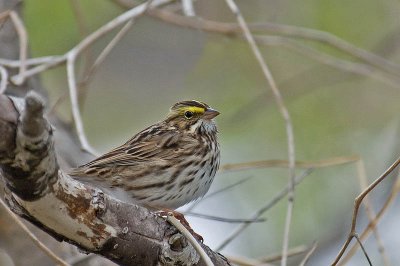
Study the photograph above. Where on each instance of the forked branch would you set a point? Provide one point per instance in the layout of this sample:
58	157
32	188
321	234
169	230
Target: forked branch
357	204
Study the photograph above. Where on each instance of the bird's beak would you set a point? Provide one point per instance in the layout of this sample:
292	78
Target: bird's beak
210	113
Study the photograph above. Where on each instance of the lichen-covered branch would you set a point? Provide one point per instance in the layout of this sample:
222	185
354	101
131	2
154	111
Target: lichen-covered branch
70	211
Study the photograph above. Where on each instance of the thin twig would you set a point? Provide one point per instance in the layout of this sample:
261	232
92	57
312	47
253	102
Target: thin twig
292	252
3	79
187	8
225	220
75	105
286	116
308	255
334	41
262	210
29	62
363	249
39	68
127	4
35	240
285	164
87	55
372	224
285	30
191	239
357	203
324	58
362	176
23	43
82	24
106	51
217	192
243	261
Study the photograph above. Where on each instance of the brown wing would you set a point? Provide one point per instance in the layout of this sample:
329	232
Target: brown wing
147	147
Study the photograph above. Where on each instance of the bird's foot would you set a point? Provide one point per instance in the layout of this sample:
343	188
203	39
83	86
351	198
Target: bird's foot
182	220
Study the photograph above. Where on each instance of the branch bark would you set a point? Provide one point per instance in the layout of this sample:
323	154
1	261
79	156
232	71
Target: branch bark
70	211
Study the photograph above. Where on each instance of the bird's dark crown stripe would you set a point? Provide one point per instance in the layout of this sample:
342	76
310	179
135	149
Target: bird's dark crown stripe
191	103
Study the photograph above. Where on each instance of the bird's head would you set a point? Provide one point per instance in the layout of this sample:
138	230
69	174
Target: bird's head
191	115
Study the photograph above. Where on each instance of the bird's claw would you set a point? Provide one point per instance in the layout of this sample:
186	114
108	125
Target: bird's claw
182	220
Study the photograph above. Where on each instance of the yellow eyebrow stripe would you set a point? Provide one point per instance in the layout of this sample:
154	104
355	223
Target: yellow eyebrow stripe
194	109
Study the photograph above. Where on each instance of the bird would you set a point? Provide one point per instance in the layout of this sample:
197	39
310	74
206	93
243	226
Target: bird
164	166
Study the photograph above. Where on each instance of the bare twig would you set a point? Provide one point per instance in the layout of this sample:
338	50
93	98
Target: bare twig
187	8
23	43
285	30
363	249
192	240
262	210
106	51
285	114
222	219
332	40
87	55
362	176
341	64
243	261
308	255
374	222
292	252
357	203
285	164
39	68
3	79
82	24
35	240
28	62
75	104
127	4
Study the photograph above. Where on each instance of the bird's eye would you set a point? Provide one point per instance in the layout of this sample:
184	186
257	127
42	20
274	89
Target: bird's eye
188	114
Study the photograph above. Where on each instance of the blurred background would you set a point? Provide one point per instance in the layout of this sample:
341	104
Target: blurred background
335	112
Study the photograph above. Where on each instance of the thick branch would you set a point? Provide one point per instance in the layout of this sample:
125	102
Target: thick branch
73	212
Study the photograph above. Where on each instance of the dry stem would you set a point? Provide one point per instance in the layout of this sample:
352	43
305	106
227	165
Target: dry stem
23	43
372	224
285	114
357	204
262	210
